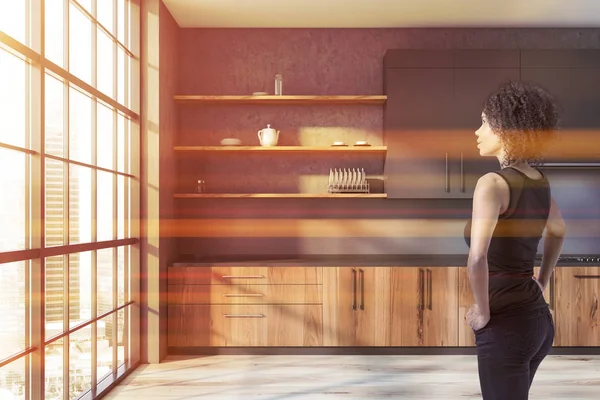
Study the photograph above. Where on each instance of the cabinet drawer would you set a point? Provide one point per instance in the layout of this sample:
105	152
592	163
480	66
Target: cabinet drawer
245	325
245	294
188	275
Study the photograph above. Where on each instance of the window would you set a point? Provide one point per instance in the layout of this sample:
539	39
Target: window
13	308
14	73
73	181
13	212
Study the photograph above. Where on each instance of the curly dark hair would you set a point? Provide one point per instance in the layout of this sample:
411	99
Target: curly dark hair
525	117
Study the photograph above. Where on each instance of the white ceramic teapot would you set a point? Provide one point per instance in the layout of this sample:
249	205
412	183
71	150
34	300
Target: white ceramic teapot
268	136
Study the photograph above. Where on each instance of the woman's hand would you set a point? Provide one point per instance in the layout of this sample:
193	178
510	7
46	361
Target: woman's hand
476	319
539	284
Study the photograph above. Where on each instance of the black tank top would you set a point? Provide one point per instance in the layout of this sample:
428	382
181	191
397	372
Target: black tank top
514	244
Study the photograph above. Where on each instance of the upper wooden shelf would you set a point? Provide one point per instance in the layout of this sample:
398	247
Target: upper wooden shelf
285	149
279	195
271	99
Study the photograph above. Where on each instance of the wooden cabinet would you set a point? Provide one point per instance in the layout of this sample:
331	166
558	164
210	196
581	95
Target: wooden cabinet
356	306
434	104
245	306
577	315
433	109
424	306
390	306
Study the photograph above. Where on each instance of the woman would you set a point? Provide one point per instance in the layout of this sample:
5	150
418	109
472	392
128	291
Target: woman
512	209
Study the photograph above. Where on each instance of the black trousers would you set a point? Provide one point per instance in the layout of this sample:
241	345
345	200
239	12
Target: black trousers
509	352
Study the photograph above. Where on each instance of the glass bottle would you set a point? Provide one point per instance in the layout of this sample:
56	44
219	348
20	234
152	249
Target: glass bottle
278	85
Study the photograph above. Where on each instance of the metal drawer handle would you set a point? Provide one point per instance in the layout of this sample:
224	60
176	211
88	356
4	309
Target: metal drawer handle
552	298
243	276
421	289
462	173
429	295
354	289
586	276
243	295
362	289
447	188
244	315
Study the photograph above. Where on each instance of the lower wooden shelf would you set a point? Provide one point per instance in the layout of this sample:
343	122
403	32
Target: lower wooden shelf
279	195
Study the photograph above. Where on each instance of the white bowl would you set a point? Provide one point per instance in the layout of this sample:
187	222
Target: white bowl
231	142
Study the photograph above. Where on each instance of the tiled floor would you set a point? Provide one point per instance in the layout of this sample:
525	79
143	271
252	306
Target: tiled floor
344	377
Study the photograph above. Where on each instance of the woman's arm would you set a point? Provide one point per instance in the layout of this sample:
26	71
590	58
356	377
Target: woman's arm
554	236
487	202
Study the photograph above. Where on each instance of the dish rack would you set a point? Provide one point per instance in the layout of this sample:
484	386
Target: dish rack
346	180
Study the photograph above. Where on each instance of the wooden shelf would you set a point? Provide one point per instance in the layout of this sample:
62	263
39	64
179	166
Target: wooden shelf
279	100
279	195
285	149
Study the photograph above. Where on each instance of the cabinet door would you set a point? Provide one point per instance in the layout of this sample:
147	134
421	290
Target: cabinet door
407	306
578	92
356	306
340	305
373	323
577	318
471	88
466	337
417	120
424	306
441	316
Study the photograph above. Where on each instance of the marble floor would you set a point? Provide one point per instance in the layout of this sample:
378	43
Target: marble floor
344	377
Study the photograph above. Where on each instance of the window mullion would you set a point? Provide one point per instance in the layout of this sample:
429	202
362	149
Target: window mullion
36	94
94	194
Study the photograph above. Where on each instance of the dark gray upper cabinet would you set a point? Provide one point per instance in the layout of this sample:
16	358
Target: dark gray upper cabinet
557	58
419	98
471	88
418	121
486	58
573	78
433	109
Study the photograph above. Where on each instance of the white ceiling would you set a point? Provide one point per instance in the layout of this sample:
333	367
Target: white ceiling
384	13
